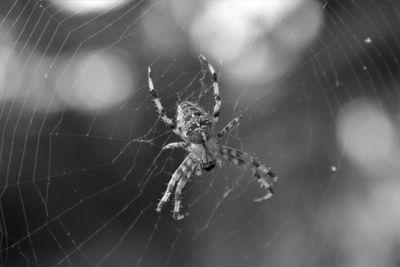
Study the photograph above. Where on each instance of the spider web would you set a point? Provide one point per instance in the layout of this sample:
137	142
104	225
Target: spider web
80	157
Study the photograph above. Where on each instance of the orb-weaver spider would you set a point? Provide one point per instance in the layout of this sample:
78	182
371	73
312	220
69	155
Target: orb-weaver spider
196	127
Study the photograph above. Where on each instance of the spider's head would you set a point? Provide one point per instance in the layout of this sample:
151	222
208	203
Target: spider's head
194	122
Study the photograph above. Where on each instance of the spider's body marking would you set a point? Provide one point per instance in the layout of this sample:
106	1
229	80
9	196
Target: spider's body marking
197	129
194	122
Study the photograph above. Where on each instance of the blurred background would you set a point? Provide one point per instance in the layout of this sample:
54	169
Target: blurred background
81	166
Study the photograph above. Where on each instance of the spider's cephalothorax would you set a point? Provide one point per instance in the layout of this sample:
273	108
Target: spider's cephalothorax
196	127
194	123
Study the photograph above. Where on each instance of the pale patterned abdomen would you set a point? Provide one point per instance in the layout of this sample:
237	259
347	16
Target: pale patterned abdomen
194	122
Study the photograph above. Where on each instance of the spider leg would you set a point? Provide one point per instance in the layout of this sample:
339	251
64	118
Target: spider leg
160	108
217	97
178	196
229	126
184	145
186	168
263	174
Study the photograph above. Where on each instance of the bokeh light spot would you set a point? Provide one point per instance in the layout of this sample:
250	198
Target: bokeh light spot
301	27
367	40
221	31
366	133
161	30
88	6
7	59
277	30
96	81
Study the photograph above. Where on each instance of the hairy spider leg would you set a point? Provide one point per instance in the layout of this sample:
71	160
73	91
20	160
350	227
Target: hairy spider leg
261	173
186	168
217	97
184	145
178	195
229	126
160	108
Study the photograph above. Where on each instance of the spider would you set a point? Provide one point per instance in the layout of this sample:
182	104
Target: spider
196	127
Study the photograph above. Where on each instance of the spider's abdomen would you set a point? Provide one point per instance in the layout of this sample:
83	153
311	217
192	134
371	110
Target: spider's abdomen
194	122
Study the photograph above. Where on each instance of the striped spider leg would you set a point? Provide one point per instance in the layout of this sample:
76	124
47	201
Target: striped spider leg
229	126
178	194
182	174
173	145
161	111
217	97
264	175
184	145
